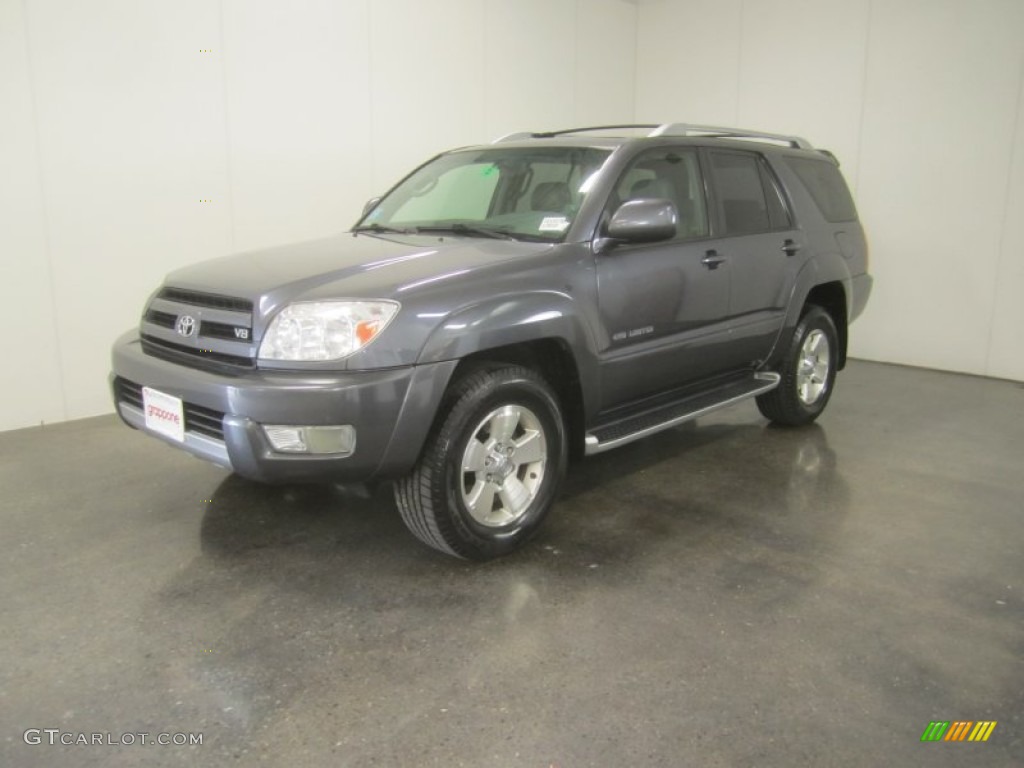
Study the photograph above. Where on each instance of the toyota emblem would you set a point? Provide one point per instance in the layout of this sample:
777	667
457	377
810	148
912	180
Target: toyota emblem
186	326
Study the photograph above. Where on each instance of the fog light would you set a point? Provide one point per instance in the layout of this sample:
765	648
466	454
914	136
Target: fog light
288	439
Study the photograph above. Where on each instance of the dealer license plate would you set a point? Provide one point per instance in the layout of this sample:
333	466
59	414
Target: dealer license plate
164	413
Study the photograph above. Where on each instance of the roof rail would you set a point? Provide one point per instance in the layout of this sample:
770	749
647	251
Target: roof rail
517	136
520	135
667	129
713	131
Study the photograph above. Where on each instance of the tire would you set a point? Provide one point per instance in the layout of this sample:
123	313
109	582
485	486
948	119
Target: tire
491	466
808	372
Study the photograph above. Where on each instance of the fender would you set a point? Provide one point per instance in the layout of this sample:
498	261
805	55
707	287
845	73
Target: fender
826	268
497	322
515	319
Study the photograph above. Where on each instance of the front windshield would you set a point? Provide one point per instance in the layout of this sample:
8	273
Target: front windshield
531	193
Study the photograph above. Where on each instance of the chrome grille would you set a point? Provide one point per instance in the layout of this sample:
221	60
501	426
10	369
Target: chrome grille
206	359
163	319
201	299
220	334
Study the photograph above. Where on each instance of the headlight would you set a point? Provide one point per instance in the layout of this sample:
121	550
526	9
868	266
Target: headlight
325	330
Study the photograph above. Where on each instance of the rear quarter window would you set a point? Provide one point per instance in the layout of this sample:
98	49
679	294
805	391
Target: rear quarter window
826	186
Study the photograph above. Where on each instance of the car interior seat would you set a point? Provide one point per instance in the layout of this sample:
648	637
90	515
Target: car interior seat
551	196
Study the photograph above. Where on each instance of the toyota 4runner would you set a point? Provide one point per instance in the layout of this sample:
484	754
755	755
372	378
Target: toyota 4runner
505	307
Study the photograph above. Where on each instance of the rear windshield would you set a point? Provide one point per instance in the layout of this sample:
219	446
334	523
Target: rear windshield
825	183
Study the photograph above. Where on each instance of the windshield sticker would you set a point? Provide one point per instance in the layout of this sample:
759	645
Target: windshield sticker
489	169
554	224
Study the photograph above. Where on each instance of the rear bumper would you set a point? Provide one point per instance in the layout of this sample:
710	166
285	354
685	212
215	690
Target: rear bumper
860	291
391	410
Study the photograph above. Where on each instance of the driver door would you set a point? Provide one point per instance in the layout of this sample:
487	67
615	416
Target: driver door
663	306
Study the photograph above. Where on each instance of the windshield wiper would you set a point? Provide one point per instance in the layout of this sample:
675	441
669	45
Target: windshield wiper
377	229
459	228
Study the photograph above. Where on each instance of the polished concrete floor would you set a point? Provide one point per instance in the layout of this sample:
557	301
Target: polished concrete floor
726	594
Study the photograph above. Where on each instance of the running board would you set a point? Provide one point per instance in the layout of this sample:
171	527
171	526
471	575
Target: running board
667	416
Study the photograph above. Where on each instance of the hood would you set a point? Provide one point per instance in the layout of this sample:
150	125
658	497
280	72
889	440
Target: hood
348	266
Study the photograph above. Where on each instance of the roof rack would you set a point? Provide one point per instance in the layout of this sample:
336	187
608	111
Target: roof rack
521	135
713	131
669	129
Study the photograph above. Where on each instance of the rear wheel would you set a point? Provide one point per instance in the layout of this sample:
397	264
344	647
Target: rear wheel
808	372
491	466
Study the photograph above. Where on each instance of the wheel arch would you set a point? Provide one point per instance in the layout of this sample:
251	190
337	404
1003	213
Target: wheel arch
824	283
542	330
553	359
832	298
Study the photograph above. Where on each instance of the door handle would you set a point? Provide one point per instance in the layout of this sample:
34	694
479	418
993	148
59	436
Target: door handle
711	259
790	247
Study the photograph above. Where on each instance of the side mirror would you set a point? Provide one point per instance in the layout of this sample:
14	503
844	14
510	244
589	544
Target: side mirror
370	205
644	221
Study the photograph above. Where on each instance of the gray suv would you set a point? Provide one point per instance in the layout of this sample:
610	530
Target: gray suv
506	307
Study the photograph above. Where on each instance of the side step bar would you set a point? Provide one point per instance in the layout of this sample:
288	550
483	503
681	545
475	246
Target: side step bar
672	415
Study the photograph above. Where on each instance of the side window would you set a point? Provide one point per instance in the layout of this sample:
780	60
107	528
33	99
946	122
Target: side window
671	174
742	206
825	183
778	213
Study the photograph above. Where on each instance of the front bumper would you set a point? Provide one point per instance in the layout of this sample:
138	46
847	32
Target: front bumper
392	411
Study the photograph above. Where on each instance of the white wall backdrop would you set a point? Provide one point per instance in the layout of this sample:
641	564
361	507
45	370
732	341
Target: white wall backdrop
140	135
922	102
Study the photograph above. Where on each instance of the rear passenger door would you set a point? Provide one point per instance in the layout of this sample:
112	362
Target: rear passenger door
757	237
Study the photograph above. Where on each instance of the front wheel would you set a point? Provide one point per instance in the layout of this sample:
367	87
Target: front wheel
491	466
808	372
